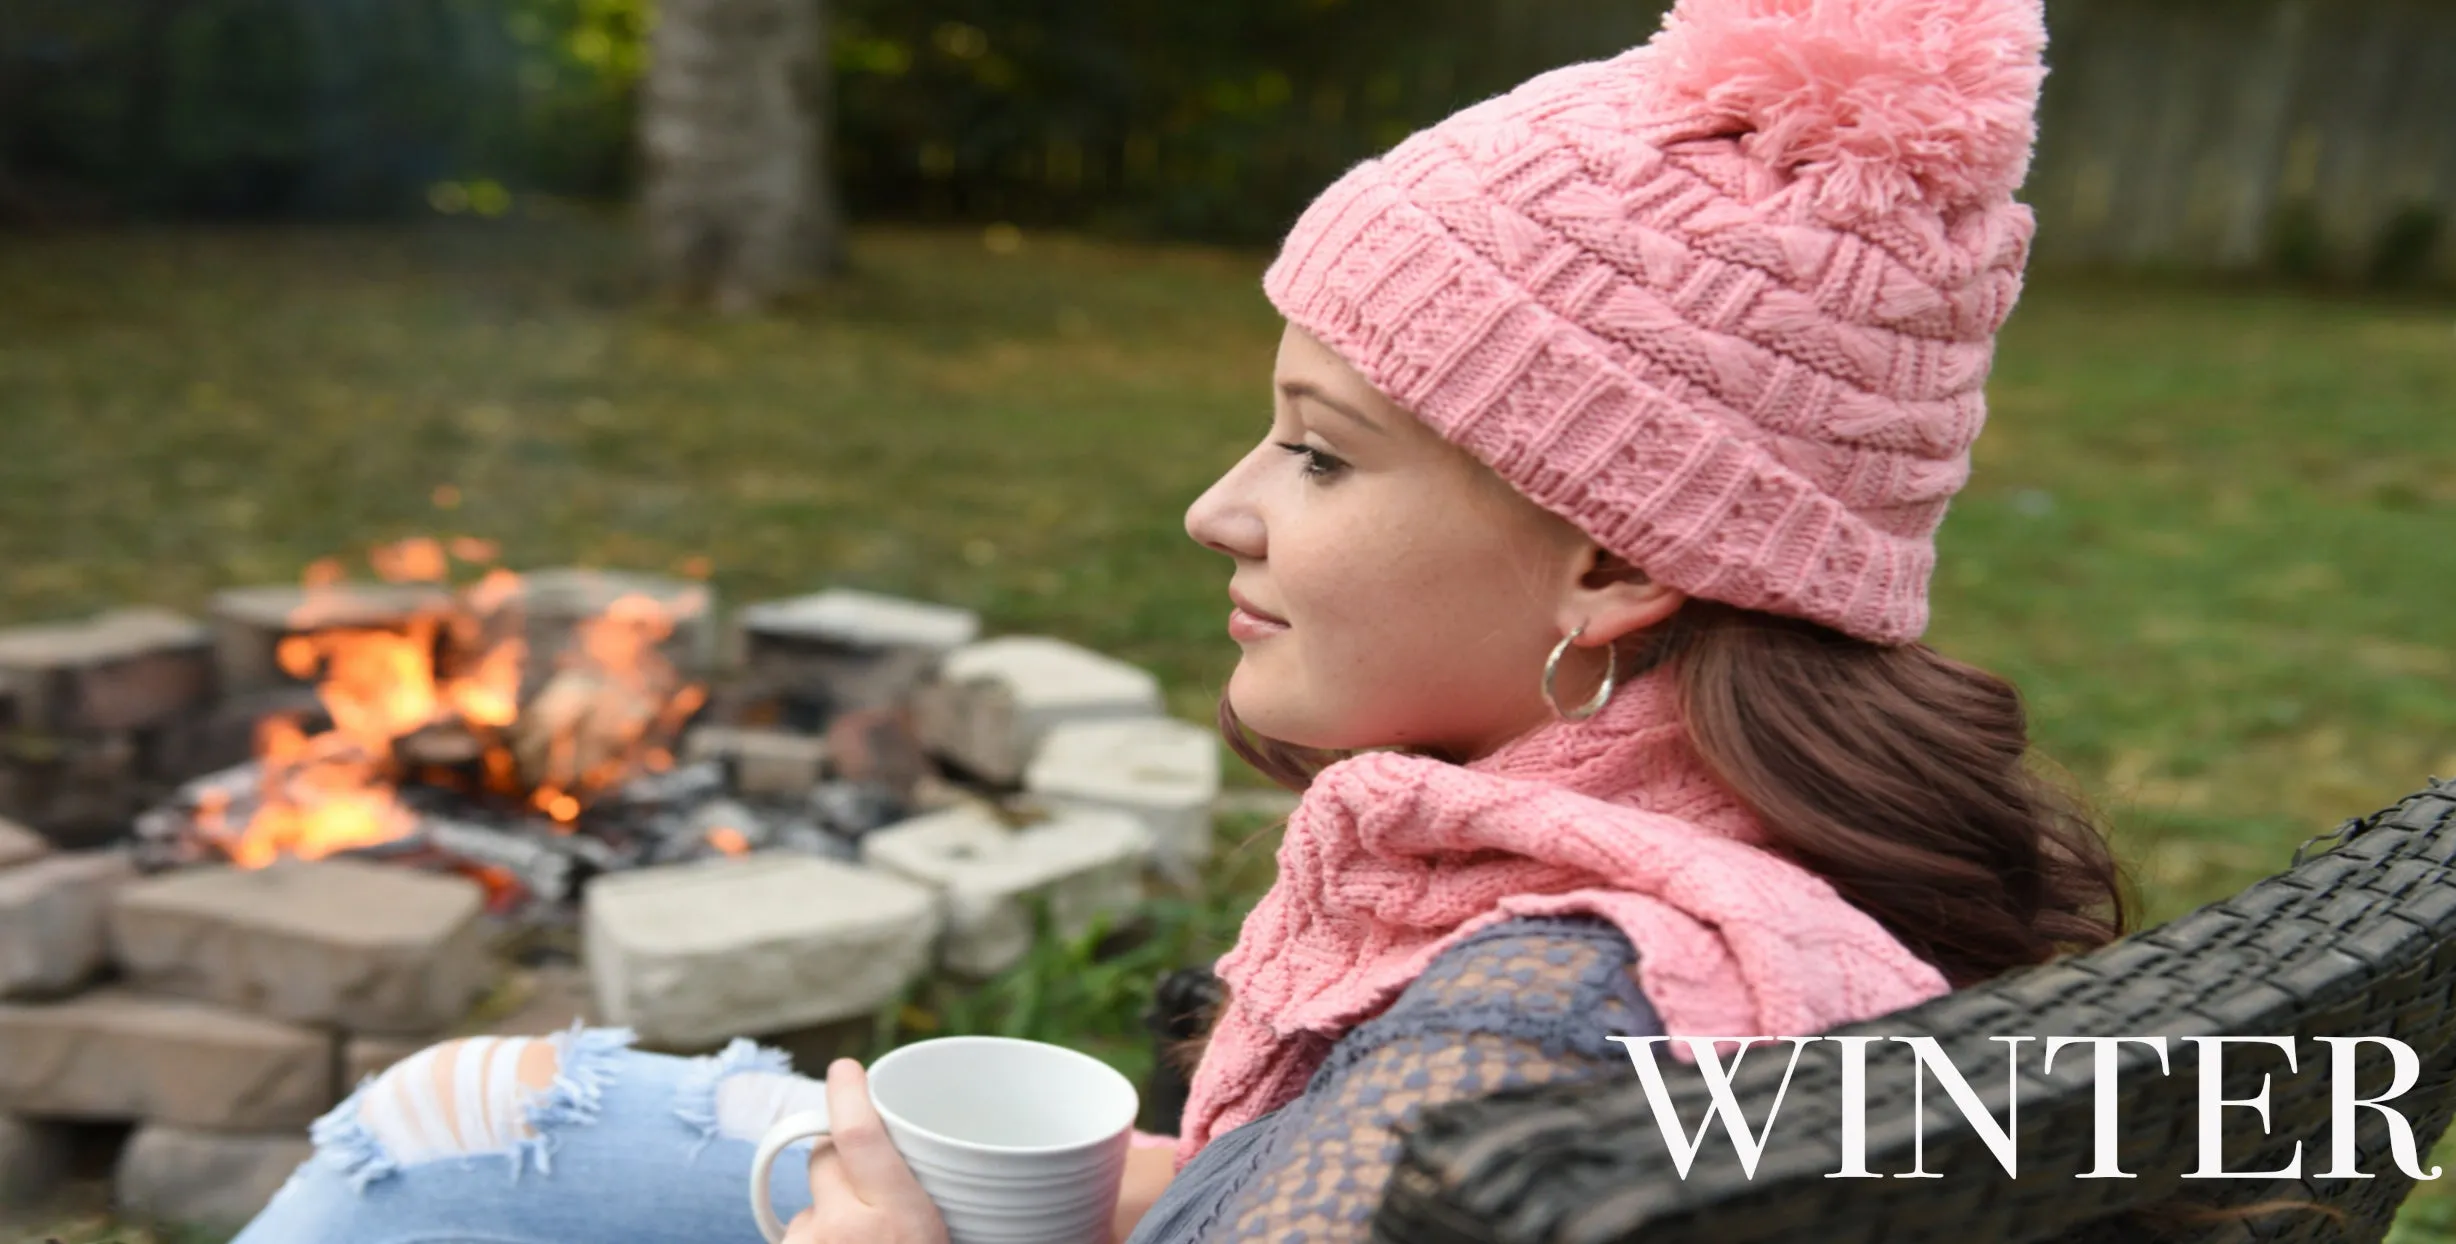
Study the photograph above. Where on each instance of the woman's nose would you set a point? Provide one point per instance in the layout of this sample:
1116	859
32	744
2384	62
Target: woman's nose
1223	520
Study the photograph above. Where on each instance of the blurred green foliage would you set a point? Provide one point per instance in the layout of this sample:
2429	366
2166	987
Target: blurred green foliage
1140	116
255	108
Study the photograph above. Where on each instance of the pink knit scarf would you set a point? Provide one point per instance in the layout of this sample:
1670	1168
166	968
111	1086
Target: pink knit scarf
1390	859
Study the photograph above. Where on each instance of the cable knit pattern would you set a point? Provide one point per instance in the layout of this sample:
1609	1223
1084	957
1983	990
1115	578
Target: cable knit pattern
1390	859
1728	301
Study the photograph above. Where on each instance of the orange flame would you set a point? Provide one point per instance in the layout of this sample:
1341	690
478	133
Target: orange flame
729	840
461	663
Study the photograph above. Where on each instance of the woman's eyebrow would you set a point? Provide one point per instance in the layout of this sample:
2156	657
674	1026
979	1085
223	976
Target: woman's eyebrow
1299	388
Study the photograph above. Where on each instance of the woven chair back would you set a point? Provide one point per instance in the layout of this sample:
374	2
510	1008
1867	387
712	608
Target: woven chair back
2358	941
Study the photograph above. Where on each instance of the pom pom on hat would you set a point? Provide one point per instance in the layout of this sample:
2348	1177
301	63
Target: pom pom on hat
1882	101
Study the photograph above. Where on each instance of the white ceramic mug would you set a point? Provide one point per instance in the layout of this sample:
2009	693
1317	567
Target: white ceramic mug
1018	1142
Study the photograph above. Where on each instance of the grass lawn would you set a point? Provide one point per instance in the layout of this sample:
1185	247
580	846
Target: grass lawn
2211	534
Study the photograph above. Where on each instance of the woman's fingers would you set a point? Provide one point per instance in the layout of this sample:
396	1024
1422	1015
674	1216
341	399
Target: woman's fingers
866	1159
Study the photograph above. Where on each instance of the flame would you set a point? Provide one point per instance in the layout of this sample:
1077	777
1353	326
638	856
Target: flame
611	711
729	840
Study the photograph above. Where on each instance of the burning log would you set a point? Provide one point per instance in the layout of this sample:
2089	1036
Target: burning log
582	724
443	745
548	873
676	787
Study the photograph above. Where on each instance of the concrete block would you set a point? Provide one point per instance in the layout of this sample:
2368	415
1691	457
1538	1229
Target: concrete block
1044	682
116	1055
19	844
54	920
775	764
1082	863
697	953
975	726
367	1054
858	619
77	791
1161	771
121	670
35	1159
842	650
249	623
534	1002
877	746
359	946
211	1179
224	734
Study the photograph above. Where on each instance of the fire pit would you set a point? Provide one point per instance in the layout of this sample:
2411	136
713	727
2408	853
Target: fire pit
521	730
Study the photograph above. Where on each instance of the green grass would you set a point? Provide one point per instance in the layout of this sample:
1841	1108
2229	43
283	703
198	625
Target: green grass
2211	534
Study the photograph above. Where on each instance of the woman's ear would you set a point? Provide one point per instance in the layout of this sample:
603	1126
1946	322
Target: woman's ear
1614	598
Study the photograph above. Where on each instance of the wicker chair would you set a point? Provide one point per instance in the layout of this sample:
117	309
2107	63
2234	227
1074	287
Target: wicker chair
2358	941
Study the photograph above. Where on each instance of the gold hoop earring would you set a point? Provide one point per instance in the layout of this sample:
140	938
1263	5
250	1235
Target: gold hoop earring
1603	694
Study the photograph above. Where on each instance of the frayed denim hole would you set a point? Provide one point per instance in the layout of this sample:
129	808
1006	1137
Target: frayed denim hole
343	1142
584	1063
695	1096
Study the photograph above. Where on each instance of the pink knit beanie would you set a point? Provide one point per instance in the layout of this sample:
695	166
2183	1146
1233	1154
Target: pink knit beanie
1727	302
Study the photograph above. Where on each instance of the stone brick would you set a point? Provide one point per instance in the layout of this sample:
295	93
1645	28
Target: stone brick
1159	770
859	619
224	734
697	953
974	725
19	844
112	1055
775	764
54	920
843	650
366	1055
35	1157
118	671
76	790
211	1179
533	1003
1041	683
249	623
360	946
877	746
1082	863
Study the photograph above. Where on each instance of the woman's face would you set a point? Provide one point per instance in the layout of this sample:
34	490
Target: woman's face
1420	592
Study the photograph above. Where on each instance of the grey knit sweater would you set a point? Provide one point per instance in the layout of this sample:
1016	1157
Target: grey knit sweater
1523	1002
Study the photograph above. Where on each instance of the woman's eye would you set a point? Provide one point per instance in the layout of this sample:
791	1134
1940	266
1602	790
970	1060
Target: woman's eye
1318	465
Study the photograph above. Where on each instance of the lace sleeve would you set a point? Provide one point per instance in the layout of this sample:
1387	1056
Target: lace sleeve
1529	1002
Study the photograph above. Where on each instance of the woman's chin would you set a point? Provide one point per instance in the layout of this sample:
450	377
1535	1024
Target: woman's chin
1277	720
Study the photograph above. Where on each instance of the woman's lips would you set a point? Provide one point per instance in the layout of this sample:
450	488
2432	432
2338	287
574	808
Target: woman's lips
1243	625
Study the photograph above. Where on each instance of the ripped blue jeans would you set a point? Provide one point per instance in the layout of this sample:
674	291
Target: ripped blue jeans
547	1140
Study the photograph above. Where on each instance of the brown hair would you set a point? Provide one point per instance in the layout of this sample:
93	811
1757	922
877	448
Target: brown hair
1899	775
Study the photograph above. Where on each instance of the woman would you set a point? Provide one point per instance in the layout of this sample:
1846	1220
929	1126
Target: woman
1578	582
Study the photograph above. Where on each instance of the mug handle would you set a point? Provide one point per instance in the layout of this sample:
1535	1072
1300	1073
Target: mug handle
789	1130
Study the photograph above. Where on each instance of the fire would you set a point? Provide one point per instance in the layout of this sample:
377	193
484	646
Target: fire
729	840
609	710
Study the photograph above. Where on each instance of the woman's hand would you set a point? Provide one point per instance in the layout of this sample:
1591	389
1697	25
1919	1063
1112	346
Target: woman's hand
861	1191
1147	1174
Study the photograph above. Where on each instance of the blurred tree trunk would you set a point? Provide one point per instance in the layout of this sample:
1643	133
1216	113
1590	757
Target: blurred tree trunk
734	126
